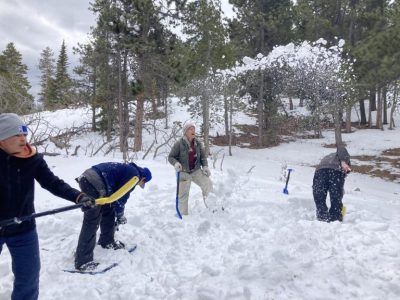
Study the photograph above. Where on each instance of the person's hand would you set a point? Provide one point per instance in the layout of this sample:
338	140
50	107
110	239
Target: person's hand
345	167
121	220
87	201
178	166
206	171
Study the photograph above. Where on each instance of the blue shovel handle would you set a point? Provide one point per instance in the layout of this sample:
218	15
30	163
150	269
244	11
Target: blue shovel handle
285	190
178	175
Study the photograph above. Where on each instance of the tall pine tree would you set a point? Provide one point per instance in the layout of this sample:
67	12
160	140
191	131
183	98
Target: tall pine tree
15	96
63	92
47	68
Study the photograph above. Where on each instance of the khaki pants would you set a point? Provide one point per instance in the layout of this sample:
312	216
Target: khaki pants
198	177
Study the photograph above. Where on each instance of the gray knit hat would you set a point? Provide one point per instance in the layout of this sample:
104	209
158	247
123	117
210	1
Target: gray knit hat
187	126
10	125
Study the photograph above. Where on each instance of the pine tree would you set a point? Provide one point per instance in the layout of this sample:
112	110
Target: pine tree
134	32
47	68
261	25
208	52
62	83
376	51
15	96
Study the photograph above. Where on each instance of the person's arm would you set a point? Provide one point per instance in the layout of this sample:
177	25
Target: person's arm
203	161
344	158
174	156
343	155
203	156
174	153
119	209
119	206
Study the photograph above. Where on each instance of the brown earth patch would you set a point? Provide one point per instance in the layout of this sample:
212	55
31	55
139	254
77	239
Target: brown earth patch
386	165
248	138
381	165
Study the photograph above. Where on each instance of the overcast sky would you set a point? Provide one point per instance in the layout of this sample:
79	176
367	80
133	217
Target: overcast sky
32	25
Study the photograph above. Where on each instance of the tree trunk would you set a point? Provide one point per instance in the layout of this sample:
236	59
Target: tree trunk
290	103
363	116
120	106
165	99
260	111
206	122
370	114
338	127
94	101
140	98
379	110
260	103
348	118
110	117
372	97
137	145
226	114
384	98
206	104
154	98
230	125
392	110
125	107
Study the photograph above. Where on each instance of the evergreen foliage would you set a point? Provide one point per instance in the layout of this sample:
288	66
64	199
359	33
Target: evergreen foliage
47	69
62	91
14	92
135	60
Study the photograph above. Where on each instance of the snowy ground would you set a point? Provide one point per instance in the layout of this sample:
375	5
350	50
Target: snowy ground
263	245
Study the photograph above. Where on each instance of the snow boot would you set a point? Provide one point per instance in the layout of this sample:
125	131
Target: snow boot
114	245
89	266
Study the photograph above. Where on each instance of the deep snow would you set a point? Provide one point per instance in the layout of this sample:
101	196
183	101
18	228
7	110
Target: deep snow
263	245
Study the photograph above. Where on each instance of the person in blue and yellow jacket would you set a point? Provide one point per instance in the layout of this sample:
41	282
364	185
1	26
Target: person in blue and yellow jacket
99	181
20	166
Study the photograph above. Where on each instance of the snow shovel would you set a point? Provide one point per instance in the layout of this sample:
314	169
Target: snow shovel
18	220
100	201
178	175
285	190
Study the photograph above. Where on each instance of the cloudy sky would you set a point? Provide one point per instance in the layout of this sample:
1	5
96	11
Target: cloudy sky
32	25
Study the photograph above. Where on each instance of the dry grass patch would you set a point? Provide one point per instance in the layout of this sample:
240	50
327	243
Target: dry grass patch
385	165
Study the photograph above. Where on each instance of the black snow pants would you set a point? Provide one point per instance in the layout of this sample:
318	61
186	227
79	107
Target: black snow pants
102	215
332	181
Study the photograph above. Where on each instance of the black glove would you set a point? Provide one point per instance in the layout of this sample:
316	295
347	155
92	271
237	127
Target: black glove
87	201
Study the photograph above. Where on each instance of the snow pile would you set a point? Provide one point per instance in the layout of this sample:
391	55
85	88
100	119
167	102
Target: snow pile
263	244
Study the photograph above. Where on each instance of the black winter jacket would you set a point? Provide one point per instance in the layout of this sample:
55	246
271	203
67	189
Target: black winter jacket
17	189
332	161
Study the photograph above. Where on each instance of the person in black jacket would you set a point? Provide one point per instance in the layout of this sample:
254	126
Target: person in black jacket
329	177
20	165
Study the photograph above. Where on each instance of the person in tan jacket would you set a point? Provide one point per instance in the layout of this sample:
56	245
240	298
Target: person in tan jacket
188	157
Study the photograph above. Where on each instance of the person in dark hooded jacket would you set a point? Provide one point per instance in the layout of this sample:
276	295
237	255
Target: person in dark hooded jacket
329	178
20	166
99	181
